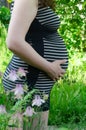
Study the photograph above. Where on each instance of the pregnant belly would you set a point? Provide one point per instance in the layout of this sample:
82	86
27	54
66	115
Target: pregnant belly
55	50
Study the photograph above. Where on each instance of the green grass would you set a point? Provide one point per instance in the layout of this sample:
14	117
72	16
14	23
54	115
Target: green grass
68	104
68	96
72	126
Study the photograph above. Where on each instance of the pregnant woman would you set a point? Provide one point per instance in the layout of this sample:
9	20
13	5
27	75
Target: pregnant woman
37	47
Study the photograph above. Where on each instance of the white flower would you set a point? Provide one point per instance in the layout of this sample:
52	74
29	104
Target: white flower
18	91
37	101
79	6
29	111
2	109
12	76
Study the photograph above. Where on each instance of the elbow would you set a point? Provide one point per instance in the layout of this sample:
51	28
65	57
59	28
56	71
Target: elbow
12	44
9	43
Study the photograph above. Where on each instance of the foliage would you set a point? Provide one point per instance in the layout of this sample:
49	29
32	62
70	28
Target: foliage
73	19
77	67
4	15
72	29
5	54
70	103
5	118
70	94
9	1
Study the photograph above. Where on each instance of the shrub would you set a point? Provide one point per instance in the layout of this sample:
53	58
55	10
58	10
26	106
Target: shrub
72	13
4	15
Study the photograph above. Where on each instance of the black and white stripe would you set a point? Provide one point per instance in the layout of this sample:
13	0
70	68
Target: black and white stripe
54	49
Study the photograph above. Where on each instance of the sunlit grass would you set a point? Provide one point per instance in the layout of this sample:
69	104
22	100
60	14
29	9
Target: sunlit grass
68	96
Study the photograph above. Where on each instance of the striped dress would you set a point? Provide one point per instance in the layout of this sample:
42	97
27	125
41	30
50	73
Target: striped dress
54	49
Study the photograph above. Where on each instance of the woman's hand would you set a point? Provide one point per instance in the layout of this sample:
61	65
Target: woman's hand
55	71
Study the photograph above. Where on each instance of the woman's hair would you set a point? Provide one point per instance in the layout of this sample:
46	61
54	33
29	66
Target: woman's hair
50	3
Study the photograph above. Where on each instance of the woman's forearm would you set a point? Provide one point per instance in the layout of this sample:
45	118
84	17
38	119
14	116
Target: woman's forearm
28	54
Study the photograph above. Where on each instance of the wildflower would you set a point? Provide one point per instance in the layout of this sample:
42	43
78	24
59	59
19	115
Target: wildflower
2	109
37	101
18	91
13	76
21	72
29	111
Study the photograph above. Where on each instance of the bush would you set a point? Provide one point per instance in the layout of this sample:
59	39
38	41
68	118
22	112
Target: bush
5	54
4	15
72	13
72	29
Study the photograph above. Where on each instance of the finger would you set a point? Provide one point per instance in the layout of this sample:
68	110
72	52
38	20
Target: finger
62	61
57	78
61	75
60	71
53	78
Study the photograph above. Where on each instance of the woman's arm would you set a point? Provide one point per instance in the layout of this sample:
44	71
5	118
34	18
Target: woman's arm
23	14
